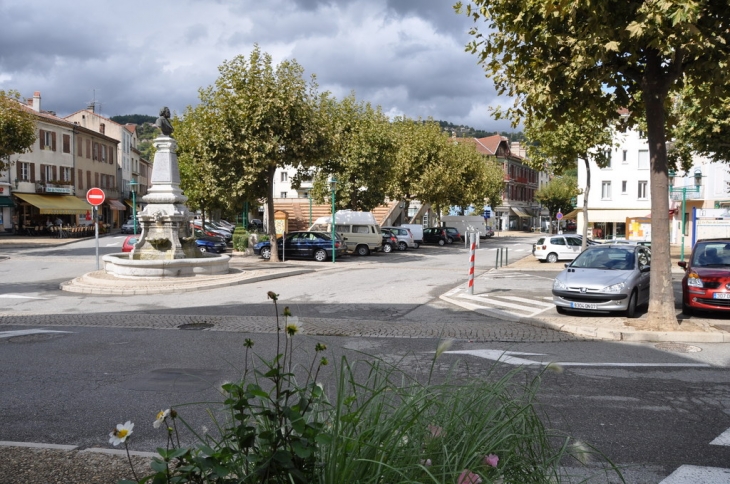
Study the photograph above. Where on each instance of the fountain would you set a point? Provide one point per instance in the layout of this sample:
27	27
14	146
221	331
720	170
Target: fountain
166	247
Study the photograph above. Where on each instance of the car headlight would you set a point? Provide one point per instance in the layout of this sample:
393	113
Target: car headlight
558	284
614	288
693	280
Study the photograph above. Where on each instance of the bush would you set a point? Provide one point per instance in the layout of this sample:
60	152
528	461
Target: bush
240	240
381	426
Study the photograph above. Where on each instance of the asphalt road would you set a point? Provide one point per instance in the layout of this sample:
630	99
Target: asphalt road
648	407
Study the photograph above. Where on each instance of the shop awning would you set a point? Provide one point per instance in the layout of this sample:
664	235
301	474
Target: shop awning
129	203
62	205
519	212
6	202
116	205
572	215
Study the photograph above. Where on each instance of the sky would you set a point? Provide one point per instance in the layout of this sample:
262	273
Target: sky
133	57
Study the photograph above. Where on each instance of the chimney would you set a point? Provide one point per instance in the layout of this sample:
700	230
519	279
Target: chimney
37	101
90	107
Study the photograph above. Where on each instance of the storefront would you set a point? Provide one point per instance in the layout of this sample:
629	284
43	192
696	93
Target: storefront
35	211
7	206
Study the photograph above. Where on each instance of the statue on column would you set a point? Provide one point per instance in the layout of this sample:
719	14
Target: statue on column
163	122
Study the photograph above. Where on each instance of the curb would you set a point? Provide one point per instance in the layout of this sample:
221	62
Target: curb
95	450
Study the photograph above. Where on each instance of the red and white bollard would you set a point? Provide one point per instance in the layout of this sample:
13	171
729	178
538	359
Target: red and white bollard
472	254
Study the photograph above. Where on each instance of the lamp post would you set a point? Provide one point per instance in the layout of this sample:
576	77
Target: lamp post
684	190
133	187
333	182
309	196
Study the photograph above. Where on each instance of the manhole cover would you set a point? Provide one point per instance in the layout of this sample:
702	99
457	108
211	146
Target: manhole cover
34	338
678	347
196	326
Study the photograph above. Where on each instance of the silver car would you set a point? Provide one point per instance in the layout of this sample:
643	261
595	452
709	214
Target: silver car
404	236
605	278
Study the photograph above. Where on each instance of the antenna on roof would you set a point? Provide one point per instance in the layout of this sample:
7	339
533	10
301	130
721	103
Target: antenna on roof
93	104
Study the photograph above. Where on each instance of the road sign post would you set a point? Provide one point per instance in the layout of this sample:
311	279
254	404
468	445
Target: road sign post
96	196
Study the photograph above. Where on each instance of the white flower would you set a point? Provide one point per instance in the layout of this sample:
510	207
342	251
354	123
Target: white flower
121	433
161	416
292	325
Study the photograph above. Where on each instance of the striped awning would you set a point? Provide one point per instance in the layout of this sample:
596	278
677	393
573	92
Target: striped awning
519	212
116	205
61	205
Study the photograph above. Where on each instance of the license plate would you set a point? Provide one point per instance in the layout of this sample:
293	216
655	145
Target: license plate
721	295
576	305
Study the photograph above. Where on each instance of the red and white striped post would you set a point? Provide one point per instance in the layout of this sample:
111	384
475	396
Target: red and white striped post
472	254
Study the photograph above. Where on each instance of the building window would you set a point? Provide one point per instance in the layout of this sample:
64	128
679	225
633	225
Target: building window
103	153
47	140
95	152
625	156
48	173
24	171
643	159
606	190
65	174
624	187
283	195
642	190
66	143
284	176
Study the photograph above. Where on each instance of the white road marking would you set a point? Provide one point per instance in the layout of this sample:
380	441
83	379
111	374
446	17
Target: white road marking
698	475
722	439
23	332
18	296
507	357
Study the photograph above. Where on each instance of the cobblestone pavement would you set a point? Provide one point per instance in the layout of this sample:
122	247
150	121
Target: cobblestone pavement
470	329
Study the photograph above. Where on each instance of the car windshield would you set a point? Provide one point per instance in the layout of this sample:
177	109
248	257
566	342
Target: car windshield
711	254
609	258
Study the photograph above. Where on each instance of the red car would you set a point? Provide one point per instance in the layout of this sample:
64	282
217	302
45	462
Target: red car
706	282
129	242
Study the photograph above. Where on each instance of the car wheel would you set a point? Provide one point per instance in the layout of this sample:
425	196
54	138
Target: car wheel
552	257
442	242
320	255
631	309
561	310
387	248
362	250
266	253
202	249
402	246
416	245
449	240
686	309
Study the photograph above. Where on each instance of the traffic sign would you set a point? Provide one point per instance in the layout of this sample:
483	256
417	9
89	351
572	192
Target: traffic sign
95	196
559	215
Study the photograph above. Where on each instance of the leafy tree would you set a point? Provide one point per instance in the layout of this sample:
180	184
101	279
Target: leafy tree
558	147
17	128
560	60
558	194
258	118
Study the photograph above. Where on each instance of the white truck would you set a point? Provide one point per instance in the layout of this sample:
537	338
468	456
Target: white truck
466	223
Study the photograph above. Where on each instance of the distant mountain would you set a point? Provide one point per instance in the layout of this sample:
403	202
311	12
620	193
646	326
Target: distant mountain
468	132
133	118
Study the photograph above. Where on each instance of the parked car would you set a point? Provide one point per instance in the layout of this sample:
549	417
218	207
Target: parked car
452	235
390	241
405	238
706	281
199	233
129	243
557	247
128	226
210	244
303	245
212	231
605	278
435	235
570	226
255	225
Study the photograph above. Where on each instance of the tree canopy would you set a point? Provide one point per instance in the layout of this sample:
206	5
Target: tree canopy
560	60
17	127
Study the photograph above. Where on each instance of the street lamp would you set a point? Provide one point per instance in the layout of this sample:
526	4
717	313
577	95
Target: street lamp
133	187
684	190
333	182
309	196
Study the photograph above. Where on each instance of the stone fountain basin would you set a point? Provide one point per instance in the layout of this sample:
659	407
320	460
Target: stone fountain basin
121	265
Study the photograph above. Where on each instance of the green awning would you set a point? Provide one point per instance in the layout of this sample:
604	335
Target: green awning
61	205
6	202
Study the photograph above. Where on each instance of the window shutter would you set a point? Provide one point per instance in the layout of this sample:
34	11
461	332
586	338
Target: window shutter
88	148
18	172
96	179
55	174
43	173
79	146
53	141
81	179
42	138
32	172
88	179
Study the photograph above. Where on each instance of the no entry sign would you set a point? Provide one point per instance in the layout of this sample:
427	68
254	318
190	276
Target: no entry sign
95	196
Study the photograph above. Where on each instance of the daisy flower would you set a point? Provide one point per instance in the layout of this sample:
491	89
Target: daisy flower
161	416
122	432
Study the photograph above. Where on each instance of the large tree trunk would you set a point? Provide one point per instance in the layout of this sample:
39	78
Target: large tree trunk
586	192
270	222
662	315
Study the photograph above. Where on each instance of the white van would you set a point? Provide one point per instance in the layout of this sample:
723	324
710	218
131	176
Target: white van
416	230
358	229
466	223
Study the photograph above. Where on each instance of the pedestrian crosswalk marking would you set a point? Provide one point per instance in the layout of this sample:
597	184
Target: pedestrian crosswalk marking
528	301
722	439
19	296
25	332
698	475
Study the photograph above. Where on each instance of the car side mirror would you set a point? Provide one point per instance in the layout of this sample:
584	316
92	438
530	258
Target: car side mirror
566	264
682	264
645	268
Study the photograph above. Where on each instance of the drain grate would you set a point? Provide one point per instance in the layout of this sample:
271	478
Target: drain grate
678	347
196	326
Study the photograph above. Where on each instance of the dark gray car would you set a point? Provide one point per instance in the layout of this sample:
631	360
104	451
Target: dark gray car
605	278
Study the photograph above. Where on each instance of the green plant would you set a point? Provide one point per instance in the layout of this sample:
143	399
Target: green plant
240	240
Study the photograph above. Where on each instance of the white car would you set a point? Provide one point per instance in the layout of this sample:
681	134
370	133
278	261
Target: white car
553	248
